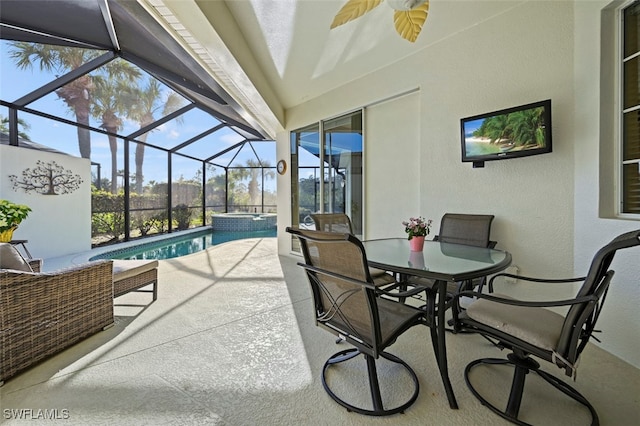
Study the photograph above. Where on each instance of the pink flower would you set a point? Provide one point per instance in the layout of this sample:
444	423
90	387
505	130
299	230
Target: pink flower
417	227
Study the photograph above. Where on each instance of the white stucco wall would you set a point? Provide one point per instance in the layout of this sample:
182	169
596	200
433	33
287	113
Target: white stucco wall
58	224
528	60
546	207
388	125
593	176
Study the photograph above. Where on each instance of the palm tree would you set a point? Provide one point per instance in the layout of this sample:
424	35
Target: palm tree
4	127
146	103
107	108
253	171
61	60
111	101
495	128
525	126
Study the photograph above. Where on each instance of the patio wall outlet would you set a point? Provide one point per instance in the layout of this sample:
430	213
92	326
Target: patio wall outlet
513	269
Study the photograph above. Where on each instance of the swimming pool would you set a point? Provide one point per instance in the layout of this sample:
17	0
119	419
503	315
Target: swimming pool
182	245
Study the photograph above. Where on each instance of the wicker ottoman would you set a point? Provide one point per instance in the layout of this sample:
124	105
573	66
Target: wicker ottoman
132	275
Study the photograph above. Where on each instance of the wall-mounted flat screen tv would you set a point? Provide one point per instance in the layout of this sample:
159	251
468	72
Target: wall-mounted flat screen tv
508	133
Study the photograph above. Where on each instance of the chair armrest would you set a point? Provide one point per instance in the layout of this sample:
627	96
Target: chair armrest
537	280
524	303
594	297
87	277
377	288
310	268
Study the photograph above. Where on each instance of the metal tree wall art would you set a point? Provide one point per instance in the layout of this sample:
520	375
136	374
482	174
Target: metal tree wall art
48	179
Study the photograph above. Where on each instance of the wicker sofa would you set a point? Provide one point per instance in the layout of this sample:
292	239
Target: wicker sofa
42	314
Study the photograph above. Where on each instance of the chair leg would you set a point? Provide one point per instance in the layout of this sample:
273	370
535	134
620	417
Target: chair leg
570	392
517	389
374	385
522	367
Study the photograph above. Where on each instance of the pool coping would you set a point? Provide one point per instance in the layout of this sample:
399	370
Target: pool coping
142	243
55	263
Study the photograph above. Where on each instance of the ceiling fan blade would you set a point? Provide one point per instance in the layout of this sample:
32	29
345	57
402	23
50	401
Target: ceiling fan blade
409	23
353	9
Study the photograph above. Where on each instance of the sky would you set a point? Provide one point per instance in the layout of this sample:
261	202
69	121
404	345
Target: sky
15	83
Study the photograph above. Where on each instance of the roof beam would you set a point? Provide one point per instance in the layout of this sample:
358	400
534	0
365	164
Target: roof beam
65	79
198	137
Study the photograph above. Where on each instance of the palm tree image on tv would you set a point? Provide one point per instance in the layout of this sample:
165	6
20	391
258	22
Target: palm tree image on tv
516	131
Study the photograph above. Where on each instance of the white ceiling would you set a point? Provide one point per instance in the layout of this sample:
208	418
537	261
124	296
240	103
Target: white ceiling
285	50
302	58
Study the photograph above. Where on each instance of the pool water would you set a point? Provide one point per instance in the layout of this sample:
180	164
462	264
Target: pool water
181	246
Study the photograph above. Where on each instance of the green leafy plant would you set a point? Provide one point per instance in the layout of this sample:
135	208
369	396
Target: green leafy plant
107	215
12	214
417	227
142	221
182	215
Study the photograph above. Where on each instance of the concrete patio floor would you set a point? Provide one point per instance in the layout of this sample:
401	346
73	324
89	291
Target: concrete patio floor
231	341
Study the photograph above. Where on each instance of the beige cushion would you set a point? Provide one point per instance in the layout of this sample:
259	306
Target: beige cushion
538	326
123	269
10	258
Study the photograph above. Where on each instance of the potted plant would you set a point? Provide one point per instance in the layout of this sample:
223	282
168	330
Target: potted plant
11	215
417	229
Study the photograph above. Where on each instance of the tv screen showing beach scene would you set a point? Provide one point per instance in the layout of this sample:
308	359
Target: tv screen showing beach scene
513	132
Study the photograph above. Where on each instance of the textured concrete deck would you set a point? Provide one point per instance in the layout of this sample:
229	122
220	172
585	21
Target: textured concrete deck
231	341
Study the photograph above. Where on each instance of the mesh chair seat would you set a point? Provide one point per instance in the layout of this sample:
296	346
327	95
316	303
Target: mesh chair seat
393	316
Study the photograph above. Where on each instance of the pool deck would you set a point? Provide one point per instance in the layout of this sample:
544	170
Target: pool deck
60	262
232	340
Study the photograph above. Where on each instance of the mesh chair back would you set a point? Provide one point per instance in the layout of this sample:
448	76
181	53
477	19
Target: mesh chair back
343	304
581	318
469	229
332	222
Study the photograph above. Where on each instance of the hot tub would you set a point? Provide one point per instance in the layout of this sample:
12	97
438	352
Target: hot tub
244	221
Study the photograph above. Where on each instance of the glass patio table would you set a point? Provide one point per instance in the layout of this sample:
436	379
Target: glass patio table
441	262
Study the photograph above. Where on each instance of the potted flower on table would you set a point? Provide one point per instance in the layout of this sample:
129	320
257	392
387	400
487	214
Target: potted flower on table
11	214
417	229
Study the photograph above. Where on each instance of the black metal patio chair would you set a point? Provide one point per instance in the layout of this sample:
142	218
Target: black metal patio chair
347	304
530	330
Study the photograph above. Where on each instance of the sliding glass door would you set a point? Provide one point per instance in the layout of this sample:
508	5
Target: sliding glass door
342	163
326	170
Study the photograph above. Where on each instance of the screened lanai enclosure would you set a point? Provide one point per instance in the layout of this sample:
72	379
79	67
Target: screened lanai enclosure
102	80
